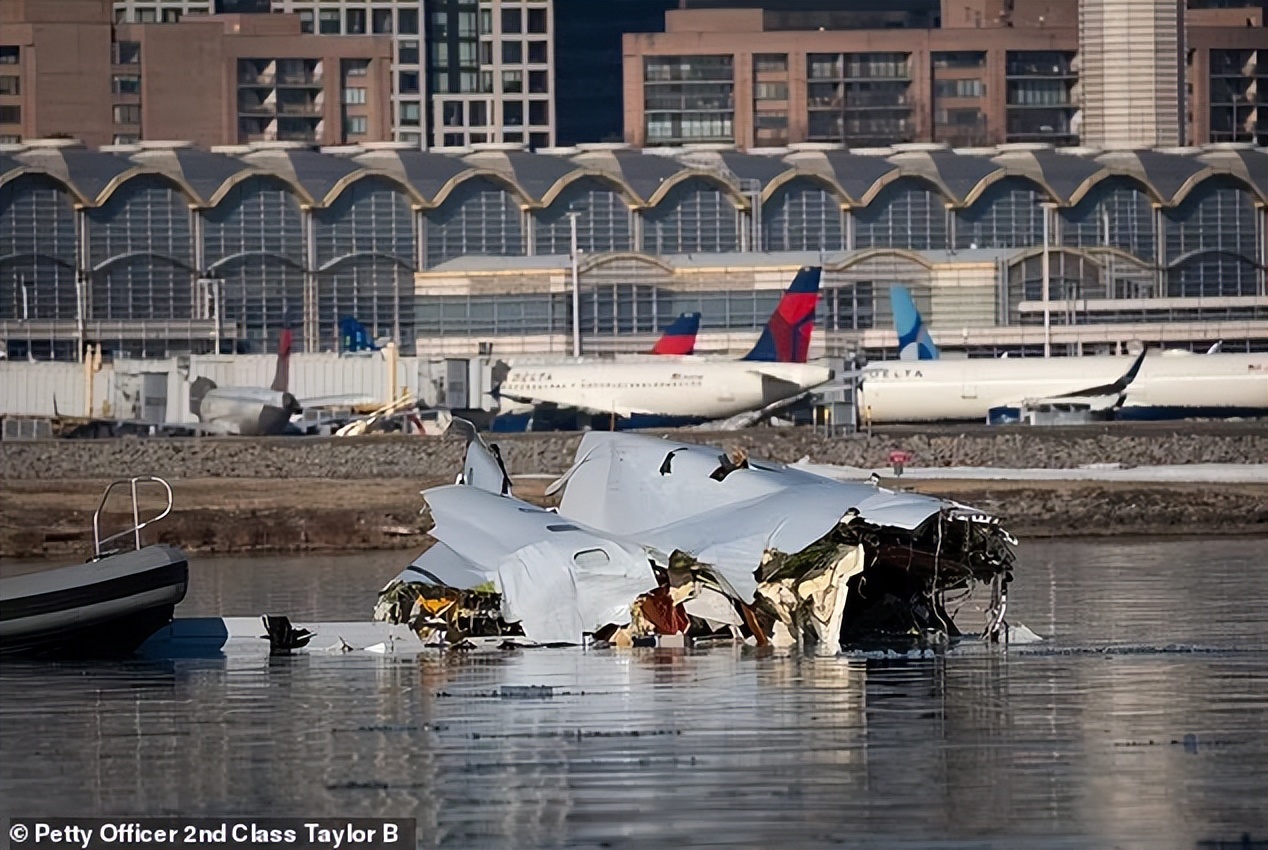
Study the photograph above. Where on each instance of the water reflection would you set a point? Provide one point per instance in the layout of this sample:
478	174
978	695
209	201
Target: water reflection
726	746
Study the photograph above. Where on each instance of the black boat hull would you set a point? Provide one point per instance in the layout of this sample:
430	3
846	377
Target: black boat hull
101	609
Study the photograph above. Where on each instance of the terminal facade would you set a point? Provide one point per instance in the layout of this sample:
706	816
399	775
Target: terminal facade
164	249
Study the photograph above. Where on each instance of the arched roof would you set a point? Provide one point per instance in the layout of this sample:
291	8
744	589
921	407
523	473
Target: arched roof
644	178
206	174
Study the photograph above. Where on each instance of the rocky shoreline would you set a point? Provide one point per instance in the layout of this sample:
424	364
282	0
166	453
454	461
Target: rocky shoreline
394	457
310	495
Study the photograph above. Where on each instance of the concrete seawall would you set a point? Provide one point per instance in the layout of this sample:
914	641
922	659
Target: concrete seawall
390	457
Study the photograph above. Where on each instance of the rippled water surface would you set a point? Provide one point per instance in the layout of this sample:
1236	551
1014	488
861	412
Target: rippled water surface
1141	721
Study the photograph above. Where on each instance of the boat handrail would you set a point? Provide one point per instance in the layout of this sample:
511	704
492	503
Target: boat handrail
137	524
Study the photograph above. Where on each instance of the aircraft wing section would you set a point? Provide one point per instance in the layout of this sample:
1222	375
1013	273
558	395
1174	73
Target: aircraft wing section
1116	388
339	401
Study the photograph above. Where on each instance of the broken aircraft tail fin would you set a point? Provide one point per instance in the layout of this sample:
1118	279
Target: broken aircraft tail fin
282	377
786	337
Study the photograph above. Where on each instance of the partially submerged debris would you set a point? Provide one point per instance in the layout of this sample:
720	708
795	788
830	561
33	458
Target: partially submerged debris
654	538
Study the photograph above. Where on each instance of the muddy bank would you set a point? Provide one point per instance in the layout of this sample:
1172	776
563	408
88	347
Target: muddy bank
250	515
415	457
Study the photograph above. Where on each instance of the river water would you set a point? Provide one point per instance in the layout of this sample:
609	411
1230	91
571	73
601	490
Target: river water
1140	721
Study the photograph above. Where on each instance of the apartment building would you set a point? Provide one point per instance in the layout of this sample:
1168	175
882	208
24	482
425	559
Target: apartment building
994	71
213	80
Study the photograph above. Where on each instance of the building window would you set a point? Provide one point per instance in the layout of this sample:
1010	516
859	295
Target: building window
537	52
407	82
537	20
355	125
328	22
466	25
512	52
440	25
770	91
126	138
959	88
538	82
127	53
355	19
10	115
306	21
512	82
452	114
513	137
539	140
486	82
479	113
10	85
127	113
486	53
479	137
511	21
356	67
381	20
147	16
454	140
770	62
407	52
125	84
512	114
9	54
354	95
171	16
440	54
407	21
467	54
440	82
468	82
539	112
410	114
486	21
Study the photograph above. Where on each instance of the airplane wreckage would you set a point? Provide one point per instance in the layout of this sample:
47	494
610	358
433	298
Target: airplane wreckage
654	538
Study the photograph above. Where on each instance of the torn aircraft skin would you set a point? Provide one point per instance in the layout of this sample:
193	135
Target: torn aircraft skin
656	538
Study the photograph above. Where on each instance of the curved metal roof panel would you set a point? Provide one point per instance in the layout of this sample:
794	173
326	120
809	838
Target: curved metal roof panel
855	173
202	171
961	173
1168	172
7	164
537	173
427	172
747	166
89	171
645	172
1065	173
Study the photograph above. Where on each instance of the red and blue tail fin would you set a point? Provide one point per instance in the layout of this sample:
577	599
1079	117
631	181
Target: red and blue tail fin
786	338
680	337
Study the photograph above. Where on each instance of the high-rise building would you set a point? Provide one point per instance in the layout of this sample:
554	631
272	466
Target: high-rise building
1132	72
491	72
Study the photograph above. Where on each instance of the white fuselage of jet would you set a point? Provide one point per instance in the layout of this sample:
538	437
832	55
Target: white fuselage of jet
247	411
666	386
947	390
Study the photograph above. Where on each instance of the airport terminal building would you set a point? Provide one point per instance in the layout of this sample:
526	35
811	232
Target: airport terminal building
164	249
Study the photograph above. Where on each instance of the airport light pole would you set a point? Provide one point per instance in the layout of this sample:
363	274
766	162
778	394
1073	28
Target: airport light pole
576	288
1048	207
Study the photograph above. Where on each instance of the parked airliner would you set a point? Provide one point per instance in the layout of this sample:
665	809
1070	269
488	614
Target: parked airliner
1169	385
677	391
247	411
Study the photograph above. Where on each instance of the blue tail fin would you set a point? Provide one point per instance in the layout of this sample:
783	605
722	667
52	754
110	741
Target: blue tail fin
354	337
786	337
914	342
